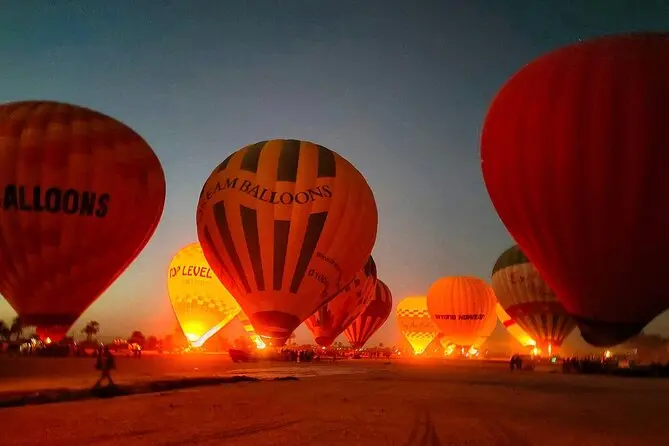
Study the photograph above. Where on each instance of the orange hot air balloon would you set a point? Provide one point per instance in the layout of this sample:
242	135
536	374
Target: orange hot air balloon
527	298
415	323
372	318
573	157
285	225
201	303
250	331
82	194
513	328
461	308
330	320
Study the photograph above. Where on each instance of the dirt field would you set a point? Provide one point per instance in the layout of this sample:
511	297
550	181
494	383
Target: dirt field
360	403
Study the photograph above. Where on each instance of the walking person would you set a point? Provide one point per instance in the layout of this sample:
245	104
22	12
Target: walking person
105	363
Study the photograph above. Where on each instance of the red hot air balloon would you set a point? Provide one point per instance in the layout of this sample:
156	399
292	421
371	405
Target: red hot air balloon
330	320
574	156
81	196
372	318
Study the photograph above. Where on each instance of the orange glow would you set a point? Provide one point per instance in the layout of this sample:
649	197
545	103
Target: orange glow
201	303
415	323
250	331
513	328
463	308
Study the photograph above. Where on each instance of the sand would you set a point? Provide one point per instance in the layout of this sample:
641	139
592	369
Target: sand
361	403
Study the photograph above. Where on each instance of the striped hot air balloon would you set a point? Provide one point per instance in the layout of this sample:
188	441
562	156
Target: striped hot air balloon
415	323
330	320
250	331
285	225
81	194
201	303
513	328
528	300
372	318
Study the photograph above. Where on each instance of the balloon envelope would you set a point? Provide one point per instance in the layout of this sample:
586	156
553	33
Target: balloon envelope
515	330
285	225
415	323
201	303
462	308
526	297
250	331
573	158
81	195
330	320
372	318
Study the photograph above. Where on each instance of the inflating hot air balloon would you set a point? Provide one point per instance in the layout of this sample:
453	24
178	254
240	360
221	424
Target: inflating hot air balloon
201	303
372	318
513	328
250	331
415	323
574	159
330	320
81	196
285	225
528	300
461	308
486	331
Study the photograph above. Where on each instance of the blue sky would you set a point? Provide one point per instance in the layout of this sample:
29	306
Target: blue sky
398	88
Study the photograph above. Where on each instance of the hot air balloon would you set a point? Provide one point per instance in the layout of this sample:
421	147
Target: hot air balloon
528	300
513	328
201	303
81	196
330	320
461	308
372	318
415	323
285	225
250	331
486	331
573	158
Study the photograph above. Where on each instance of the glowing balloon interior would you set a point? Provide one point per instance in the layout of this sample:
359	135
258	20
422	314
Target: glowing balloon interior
415	323
201	303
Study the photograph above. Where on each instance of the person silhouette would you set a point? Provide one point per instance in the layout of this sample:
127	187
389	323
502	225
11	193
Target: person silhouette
105	363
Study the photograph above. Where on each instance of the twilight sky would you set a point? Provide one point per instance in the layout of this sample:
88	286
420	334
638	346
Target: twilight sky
398	88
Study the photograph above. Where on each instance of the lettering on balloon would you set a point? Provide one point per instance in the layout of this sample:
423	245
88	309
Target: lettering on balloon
190	271
321	278
460	317
329	261
54	200
269	196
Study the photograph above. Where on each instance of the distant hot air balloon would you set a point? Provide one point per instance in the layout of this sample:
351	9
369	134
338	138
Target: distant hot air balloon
372	318
285	225
461	308
250	331
81	196
415	323
574	159
330	320
201	303
528	300
513	328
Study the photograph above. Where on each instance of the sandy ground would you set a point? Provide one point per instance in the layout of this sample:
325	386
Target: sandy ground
363	403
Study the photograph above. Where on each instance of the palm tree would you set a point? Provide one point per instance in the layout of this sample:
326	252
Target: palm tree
16	328
91	329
